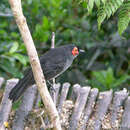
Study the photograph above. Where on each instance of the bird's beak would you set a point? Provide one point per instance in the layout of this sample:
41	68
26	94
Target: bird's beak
82	51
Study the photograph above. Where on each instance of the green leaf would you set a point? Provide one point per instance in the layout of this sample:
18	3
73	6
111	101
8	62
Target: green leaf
96	84
90	6
121	80
14	34
22	48
109	77
101	16
45	24
9	67
14	47
3	24
16	105
3	32
21	58
100	76
103	1
84	4
97	2
124	17
108	9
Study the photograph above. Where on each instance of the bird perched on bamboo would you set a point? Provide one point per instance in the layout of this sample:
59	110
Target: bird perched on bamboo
54	62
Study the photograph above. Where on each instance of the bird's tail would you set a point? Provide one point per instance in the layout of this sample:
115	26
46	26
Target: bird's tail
20	87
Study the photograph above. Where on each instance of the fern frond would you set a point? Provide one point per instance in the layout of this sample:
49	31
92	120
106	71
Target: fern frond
97	2
103	1
90	5
108	9
124	17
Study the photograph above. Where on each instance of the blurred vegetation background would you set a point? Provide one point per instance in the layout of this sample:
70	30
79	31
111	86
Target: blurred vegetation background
91	26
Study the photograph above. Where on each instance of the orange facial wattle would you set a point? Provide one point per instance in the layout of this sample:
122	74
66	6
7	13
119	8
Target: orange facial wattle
75	51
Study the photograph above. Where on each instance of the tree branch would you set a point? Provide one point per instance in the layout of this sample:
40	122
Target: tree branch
34	60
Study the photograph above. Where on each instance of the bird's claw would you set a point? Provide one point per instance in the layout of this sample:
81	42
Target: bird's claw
51	87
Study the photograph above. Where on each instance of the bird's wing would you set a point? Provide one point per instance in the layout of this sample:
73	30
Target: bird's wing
53	70
53	63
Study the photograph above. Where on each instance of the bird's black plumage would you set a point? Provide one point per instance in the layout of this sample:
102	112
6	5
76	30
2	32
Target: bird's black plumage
54	62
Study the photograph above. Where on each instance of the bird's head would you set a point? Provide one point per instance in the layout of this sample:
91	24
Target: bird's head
74	50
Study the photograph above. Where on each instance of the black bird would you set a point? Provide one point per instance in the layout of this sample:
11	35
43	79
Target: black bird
54	62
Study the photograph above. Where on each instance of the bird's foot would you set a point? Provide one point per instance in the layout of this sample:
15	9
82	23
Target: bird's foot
52	89
51	86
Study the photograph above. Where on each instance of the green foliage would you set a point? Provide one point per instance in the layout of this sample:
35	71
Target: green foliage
40	104
10	57
16	105
124	17
41	30
91	4
14	48
108	8
105	80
